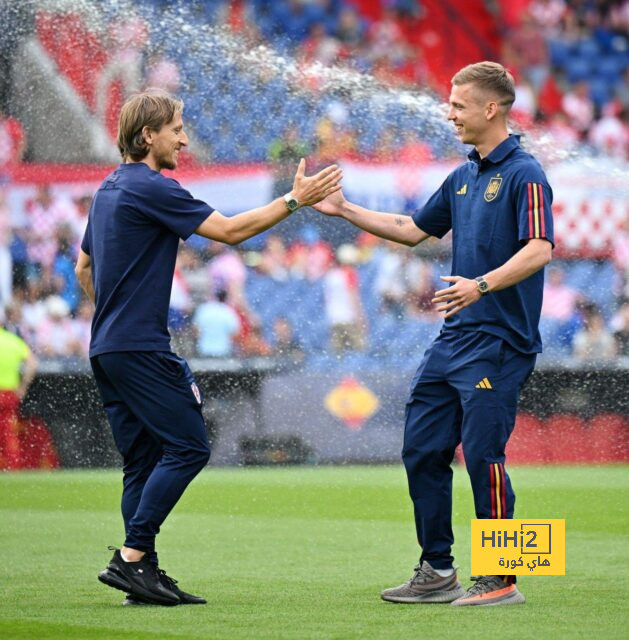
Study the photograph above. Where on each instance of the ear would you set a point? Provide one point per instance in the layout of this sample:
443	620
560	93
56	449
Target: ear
147	134
491	110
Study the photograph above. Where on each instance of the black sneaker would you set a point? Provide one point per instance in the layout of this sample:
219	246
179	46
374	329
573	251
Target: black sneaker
171	584
138	578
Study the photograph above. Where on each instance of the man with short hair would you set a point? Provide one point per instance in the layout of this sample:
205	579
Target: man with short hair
467	386
126	267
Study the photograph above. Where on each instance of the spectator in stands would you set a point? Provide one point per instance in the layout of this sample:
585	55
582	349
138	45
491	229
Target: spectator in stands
45	213
274	259
320	46
226	270
309	256
390	283
55	336
82	206
578	106
217	324
350	30
620	327
620	258
594	343
610	134
285	345
284	153
63	267
560	304
33	309
343	306
82	327
17	370
335	139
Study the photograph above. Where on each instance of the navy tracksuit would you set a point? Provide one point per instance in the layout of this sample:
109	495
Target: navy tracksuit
465	391
156	421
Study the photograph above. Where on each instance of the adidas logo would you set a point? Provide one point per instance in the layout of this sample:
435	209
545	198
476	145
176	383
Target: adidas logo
484	384
462	191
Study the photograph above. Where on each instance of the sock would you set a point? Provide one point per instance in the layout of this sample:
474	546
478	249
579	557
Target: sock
123	556
444	573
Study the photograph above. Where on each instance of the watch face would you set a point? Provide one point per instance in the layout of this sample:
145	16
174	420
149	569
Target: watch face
483	287
292	204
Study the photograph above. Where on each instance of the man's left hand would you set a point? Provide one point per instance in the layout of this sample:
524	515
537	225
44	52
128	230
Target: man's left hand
461	294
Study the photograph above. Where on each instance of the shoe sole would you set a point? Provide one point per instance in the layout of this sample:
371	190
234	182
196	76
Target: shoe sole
117	581
432	597
512	598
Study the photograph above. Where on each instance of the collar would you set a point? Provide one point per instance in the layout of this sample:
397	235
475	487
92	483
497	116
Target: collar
499	153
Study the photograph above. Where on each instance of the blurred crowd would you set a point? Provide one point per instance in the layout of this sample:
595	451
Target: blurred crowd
286	298
301	292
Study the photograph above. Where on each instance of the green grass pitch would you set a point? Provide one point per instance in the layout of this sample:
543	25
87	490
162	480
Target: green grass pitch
300	553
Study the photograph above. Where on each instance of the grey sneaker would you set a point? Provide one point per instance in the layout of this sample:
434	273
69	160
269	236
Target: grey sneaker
426	585
490	590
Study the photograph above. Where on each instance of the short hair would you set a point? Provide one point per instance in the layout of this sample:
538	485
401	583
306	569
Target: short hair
491	77
152	108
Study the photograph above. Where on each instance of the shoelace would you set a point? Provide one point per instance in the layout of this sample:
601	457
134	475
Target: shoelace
420	575
171	582
483	584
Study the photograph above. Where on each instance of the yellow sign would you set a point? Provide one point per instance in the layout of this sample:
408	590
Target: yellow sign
519	547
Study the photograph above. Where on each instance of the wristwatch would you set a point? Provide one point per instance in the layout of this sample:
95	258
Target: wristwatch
292	204
483	287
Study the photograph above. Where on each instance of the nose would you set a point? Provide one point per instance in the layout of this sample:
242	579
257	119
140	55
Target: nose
451	115
183	139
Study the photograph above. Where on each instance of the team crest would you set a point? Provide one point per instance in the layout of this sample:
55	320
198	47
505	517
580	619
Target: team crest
492	188
197	393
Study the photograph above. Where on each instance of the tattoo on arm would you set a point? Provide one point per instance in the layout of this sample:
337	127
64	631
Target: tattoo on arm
398	221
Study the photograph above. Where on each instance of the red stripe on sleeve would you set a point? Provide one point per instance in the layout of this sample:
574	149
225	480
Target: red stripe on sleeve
530	191
541	211
503	491
492	490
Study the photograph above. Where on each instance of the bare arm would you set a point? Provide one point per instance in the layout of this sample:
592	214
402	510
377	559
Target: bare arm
83	271
531	258
307	190
389	226
30	368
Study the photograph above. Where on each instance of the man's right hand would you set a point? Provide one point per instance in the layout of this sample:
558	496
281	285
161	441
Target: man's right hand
333	204
310	190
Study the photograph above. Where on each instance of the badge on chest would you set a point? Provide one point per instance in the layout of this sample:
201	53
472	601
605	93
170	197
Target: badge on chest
491	192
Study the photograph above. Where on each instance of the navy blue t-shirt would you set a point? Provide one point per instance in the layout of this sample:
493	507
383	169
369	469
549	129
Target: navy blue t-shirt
134	226
493	206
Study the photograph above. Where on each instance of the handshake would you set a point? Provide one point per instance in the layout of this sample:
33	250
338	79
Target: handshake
321	191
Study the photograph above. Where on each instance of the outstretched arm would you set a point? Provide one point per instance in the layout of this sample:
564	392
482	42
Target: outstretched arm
389	226
307	190
464	292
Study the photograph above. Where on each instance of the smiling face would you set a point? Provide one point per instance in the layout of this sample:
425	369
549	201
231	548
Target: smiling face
468	111
165	144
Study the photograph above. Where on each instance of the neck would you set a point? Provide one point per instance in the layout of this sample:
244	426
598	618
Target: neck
492	140
147	160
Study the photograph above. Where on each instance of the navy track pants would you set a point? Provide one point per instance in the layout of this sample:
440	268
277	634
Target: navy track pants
465	391
154	409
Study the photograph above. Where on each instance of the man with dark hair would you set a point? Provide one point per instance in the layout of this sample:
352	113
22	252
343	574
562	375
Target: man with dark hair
467	386
126	266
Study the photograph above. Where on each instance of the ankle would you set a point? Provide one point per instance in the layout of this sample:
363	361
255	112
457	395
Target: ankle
131	555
